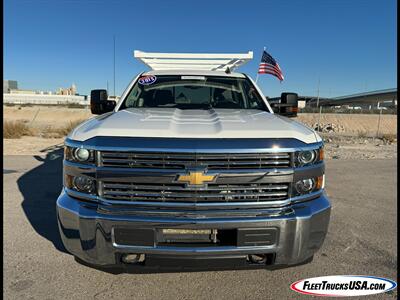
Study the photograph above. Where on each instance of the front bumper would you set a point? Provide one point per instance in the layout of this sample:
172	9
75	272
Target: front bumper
87	232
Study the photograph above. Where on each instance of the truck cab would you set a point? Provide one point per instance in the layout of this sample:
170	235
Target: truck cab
193	166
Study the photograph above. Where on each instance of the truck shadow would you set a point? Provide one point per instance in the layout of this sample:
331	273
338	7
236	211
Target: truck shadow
207	267
40	188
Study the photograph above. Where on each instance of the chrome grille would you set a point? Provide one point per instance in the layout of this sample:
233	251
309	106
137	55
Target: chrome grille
180	193
181	161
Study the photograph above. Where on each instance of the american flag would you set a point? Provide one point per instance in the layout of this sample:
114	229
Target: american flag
268	65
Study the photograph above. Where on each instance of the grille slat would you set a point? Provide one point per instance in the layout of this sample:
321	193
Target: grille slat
213	193
138	193
226	161
178	188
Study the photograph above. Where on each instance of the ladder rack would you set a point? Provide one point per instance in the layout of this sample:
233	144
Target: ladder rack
193	61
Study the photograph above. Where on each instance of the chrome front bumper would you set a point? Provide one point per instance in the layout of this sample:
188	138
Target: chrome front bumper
87	232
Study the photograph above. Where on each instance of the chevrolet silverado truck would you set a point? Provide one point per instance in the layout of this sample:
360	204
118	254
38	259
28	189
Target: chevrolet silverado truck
193	166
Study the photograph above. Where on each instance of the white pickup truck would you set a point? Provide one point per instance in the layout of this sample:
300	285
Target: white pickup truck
191	167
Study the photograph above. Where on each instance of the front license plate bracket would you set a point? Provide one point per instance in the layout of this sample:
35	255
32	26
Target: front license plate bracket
187	236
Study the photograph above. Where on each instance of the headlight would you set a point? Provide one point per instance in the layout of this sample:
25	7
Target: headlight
81	184
81	155
308	185
308	157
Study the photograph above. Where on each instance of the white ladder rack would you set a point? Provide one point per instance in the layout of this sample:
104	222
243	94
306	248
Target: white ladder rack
193	61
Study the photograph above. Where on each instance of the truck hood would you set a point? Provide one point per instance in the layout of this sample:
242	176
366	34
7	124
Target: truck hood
177	123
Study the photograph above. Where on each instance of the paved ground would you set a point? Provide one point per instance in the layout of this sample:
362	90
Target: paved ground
361	240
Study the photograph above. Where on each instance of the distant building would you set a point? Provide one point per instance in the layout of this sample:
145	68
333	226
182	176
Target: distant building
12	91
43	99
71	91
116	98
9	85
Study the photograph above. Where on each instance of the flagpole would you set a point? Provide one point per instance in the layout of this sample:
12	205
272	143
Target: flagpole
257	69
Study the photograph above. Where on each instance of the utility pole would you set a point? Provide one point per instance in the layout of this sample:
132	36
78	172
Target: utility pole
114	65
320	108
379	122
319	79
319	119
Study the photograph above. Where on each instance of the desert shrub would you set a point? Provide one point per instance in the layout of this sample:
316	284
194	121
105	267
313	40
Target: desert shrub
388	137
15	129
362	133
75	105
59	132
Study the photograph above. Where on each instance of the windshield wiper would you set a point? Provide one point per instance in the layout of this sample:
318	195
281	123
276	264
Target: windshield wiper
208	106
195	106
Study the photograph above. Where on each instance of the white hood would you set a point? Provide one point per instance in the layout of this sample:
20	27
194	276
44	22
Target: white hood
177	123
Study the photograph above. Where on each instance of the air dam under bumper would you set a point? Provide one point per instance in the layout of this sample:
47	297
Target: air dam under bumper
88	234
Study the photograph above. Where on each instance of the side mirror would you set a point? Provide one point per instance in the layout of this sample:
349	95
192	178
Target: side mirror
99	103
288	105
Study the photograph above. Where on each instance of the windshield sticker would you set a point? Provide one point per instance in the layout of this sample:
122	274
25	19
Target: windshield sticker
147	80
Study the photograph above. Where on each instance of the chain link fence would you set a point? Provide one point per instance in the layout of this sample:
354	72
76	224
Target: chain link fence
366	123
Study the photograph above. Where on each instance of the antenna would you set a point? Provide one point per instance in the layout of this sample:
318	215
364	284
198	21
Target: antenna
319	79
114	65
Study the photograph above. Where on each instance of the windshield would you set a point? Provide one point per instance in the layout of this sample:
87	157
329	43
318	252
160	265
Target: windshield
194	92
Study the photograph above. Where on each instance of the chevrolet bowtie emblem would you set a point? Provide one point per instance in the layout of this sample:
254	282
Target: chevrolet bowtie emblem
196	178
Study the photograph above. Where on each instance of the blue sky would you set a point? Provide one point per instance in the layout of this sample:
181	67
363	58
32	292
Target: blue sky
350	45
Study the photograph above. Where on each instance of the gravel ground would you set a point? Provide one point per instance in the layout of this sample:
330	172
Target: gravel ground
344	147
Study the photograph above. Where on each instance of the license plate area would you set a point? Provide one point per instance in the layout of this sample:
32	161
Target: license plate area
173	237
195	237
188	235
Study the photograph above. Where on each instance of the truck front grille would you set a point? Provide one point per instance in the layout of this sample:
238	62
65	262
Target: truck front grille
179	193
181	161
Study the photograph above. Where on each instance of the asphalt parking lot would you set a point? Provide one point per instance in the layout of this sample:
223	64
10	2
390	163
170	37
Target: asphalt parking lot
361	240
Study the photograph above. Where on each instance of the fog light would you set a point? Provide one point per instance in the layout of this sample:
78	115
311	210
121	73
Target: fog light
258	258
130	258
305	185
83	184
82	154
